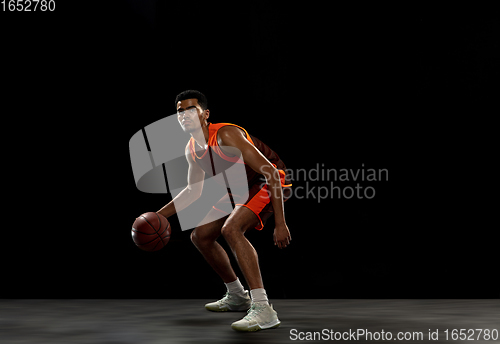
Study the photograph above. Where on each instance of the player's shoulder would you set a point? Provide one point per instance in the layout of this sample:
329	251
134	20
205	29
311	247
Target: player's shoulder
229	132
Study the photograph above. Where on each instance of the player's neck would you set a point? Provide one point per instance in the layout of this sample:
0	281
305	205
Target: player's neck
201	136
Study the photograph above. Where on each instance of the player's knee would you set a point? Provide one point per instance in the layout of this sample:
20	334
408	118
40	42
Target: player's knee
199	238
229	231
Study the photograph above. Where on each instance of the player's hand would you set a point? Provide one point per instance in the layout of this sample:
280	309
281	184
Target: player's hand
282	236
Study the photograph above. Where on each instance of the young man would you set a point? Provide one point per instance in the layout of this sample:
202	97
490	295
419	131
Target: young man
265	175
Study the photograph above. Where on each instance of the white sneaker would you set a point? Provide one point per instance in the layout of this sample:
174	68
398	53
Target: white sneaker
260	317
230	303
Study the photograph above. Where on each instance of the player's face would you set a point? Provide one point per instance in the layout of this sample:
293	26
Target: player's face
190	115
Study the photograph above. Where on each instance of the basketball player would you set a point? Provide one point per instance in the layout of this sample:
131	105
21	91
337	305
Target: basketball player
266	182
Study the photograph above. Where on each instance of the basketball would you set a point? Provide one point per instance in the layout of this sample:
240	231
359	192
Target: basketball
151	231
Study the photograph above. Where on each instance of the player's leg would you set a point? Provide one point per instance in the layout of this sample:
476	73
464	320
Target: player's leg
252	214
233	230
261	315
204	238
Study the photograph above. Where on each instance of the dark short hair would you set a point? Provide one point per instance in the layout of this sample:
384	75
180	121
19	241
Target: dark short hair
189	94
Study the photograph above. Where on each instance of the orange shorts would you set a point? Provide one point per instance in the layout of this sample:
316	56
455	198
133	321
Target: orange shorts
259	201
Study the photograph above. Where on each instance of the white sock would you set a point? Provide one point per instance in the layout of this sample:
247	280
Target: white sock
259	295
235	288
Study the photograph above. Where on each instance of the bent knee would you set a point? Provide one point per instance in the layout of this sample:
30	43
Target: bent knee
196	237
230	231
199	237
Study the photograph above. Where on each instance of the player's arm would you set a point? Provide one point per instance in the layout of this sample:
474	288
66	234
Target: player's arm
230	137
190	193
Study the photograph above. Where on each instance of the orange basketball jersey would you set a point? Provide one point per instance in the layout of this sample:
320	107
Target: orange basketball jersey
258	199
207	160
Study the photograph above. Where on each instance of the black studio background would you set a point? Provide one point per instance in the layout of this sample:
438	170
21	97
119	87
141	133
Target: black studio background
390	88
